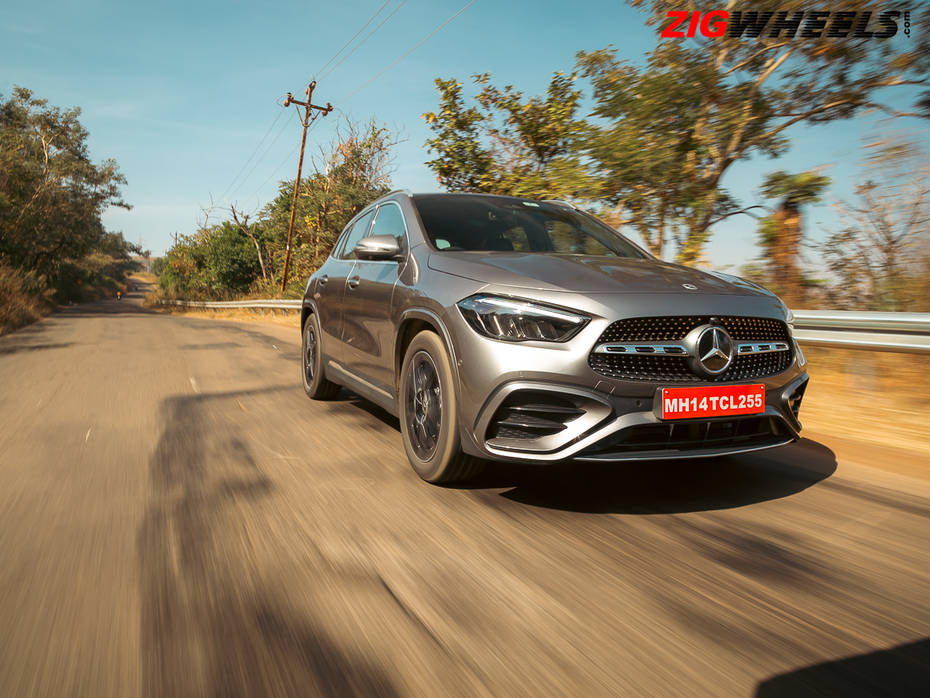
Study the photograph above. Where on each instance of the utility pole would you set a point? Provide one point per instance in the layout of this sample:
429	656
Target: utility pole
305	122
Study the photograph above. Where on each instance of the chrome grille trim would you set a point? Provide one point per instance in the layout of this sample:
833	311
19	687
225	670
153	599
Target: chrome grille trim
761	347
681	350
647	348
666	348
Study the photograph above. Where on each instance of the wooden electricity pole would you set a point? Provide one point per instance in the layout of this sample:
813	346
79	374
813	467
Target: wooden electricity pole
305	122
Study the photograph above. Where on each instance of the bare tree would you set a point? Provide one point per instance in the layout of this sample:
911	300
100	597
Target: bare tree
242	222
873	255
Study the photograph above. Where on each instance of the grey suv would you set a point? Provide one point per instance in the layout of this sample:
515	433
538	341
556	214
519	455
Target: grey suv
507	329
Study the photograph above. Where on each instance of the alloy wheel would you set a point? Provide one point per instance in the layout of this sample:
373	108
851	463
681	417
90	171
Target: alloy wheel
423	405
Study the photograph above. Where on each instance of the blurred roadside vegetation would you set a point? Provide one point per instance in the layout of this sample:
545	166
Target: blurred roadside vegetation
870	397
646	145
53	246
243	255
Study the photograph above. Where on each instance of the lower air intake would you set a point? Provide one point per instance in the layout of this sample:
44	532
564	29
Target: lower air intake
532	414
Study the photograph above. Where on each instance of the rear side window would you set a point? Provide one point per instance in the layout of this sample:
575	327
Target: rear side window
390	221
359	228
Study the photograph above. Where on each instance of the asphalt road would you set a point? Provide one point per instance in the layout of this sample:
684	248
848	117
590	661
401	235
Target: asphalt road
177	519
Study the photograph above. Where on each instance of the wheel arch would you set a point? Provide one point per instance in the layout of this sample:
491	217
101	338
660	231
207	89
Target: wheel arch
306	310
412	322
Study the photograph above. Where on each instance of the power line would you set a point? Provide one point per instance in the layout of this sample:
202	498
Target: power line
362	42
261	158
281	164
370	19
284	127
407	53
254	152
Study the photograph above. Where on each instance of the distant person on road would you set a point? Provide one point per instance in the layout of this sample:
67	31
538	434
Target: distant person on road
119	295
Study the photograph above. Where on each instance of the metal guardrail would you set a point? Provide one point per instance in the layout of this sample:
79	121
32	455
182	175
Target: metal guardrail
282	305
876	331
873	331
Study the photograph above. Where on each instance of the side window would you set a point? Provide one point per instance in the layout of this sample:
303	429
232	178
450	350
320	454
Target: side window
389	221
355	234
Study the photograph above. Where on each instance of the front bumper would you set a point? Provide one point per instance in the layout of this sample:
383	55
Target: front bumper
608	428
610	419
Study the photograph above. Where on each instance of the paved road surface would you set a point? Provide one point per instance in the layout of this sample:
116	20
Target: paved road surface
177	519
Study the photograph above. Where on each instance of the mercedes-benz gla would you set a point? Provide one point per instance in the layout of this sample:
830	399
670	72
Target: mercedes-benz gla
507	329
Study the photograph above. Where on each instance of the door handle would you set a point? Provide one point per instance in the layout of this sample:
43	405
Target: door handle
354	281
323	280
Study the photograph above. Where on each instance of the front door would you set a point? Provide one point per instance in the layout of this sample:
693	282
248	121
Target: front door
332	286
368	327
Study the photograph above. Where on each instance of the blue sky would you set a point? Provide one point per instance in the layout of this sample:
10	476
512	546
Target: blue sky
180	94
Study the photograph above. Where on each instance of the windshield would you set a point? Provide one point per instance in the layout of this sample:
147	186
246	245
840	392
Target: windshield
474	222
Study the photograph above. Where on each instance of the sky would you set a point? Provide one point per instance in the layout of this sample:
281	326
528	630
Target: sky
186	96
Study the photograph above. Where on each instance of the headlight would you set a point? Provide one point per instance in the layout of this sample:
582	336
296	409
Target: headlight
513	320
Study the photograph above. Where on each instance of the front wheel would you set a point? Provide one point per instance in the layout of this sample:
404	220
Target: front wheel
429	413
311	370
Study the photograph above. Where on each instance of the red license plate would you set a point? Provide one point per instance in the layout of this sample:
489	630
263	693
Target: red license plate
712	401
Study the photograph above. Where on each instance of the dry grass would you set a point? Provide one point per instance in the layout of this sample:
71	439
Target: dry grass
877	398
23	299
292	319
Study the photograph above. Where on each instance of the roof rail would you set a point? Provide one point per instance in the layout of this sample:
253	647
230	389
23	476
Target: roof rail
561	202
398	191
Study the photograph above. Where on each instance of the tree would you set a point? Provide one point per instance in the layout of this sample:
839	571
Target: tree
781	233
245	253
215	262
51	198
347	175
241	221
508	143
880	257
462	163
729	98
642	142
51	194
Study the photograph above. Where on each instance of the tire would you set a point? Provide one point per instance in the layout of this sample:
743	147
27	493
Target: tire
429	417
311	363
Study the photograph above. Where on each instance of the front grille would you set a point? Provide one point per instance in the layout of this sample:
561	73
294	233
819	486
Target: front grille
650	367
692	435
528	414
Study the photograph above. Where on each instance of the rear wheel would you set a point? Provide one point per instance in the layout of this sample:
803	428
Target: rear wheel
429	414
311	370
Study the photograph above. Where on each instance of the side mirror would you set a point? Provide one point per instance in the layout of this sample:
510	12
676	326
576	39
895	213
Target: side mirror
378	247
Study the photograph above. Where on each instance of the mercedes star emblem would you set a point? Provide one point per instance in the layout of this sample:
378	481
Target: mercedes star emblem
711	350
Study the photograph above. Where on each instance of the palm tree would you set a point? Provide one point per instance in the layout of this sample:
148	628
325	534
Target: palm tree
783	231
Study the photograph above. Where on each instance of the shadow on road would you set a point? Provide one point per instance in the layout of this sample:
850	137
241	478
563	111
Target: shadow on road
649	487
107	308
14	347
348	397
663	487
210	625
901	671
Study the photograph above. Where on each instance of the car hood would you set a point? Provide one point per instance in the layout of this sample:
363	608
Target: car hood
584	274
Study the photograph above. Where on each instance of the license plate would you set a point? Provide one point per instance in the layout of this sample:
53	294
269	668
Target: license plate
712	401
